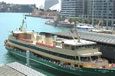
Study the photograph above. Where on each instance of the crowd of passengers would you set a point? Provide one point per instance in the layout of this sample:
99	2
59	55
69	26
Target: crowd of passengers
62	64
66	65
93	59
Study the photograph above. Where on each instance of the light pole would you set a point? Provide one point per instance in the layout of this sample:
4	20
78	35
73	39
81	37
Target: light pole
93	12
83	12
102	12
27	58
107	23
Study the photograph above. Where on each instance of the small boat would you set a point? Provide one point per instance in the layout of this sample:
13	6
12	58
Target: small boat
56	54
84	27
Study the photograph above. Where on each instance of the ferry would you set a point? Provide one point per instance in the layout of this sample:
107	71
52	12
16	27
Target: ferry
70	57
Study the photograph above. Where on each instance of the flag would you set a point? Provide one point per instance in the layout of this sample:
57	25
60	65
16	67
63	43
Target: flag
72	31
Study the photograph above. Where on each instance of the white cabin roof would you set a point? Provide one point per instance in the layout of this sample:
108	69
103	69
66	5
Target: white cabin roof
19	32
75	42
91	54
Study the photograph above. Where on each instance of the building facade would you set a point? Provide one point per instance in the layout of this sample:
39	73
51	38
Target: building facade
97	9
68	8
89	8
102	9
72	8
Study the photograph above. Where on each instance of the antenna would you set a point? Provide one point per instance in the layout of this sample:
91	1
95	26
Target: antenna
21	28
78	36
72	34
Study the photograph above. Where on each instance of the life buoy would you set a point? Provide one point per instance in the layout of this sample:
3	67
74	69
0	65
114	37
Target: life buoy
5	41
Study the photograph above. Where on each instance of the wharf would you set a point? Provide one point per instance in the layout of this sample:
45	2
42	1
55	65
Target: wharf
1	64
92	36
17	69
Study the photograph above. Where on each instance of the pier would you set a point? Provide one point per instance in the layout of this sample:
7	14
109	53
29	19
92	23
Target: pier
92	36
106	42
17	69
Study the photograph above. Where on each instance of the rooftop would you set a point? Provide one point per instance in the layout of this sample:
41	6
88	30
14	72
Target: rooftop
18	31
92	36
75	42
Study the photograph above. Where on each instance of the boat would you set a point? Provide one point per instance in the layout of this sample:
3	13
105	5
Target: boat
50	22
84	27
59	23
67	56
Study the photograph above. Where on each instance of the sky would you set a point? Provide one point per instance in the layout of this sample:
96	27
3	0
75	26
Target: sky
39	3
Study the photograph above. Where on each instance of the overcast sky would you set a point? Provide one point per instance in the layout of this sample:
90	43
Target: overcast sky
39	3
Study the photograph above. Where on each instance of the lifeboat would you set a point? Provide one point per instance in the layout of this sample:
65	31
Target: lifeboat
46	45
26	40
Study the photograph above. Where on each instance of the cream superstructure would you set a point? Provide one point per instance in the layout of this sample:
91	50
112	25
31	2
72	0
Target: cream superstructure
60	49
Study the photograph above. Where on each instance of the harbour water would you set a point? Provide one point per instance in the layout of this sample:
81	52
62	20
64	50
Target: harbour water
11	21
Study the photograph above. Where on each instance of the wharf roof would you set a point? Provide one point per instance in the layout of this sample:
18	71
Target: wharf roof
17	69
92	36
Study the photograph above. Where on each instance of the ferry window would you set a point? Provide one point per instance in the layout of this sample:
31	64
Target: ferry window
81	66
40	37
70	57
54	37
72	48
80	47
57	44
85	58
89	46
94	46
86	46
66	46
76	65
94	57
69	64
77	58
76	47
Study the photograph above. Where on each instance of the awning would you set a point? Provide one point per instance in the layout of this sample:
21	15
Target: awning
91	54
97	53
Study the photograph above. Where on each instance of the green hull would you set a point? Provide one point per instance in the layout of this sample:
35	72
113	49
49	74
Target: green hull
61	71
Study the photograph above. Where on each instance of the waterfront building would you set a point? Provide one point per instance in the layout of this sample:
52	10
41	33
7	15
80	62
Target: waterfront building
91	8
98	9
102	9
74	8
68	8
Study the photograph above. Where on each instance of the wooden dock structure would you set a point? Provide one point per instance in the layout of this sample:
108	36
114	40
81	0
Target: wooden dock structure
17	69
